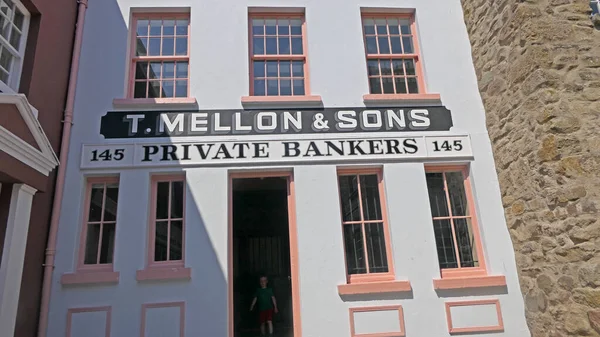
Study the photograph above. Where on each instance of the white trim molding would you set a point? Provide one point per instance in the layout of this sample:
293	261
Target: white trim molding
43	160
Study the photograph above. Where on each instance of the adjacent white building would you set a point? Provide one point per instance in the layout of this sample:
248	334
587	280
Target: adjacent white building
337	147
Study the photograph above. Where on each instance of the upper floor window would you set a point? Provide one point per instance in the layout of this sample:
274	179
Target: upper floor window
160	56
393	62
14	22
456	233
100	222
365	228
278	56
167	226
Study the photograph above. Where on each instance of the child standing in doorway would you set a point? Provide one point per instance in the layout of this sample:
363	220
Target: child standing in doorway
267	305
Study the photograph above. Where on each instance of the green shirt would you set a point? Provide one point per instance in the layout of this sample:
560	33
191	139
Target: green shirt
263	298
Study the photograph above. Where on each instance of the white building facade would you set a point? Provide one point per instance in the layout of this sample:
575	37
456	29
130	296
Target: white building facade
337	147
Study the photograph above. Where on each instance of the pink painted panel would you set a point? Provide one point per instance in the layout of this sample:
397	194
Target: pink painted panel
73	331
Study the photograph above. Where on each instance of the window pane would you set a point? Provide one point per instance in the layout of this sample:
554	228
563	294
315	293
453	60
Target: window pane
181	88
349	198
169	27
413	87
168	46
168	70
384	45
3	76
155	26
283	27
369	26
396	46
466	243
5	59
259	69
381	26
458	197
286	87
393	26
162	200
182	26
373	67
4	26
355	251
96	197
141	71
400	85
272	88
110	204
176	241
160	241
298	87
177	200
397	67
405	27
108	243
142	28
296	27
409	65
444	243
272	69
298	68
155	70
139	90
388	85
271	46
181	46
168	88
154	46
296	45
369	190
259	87
437	194
258	27
258	46
15	38
386	68
407	43
284	45
19	19
91	244
371	45
284	69
376	247
375	85
142	46
271	28
182	70
154	89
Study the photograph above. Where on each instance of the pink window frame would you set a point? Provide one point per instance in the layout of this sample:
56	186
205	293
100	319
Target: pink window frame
369	277
416	55
278	57
461	272
72	311
180	305
133	58
81	266
155	179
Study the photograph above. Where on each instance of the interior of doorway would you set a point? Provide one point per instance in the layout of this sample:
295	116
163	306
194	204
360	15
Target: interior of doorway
261	246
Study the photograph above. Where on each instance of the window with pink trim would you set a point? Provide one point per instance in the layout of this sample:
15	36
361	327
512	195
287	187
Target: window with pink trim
160	56
167	227
278	55
365	230
454	221
393	61
100	221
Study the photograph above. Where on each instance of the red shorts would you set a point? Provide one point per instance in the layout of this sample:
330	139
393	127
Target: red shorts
265	316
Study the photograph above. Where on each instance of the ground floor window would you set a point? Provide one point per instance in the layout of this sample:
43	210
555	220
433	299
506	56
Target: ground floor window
168	195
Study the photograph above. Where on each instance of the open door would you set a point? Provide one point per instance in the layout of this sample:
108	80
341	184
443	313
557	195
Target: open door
261	247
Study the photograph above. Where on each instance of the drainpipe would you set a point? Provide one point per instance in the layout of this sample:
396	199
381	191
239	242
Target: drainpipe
62	168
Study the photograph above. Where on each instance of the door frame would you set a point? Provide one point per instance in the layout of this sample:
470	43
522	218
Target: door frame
293	237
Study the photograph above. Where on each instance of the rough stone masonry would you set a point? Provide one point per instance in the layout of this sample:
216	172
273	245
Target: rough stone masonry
538	66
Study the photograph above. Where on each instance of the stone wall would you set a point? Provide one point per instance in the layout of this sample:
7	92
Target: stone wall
538	66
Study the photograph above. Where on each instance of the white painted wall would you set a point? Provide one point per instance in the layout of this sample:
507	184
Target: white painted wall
338	74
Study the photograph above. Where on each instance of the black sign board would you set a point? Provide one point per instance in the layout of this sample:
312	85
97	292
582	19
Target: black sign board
144	124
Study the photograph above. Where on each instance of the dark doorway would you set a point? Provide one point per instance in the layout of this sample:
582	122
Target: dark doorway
261	246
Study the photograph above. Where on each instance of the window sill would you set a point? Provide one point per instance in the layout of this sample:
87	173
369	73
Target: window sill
402	98
374	287
311	100
469	282
90	277
163	273
149	102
